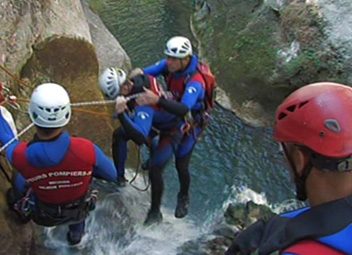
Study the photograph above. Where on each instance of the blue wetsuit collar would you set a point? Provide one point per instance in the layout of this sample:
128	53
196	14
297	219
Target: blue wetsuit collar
48	153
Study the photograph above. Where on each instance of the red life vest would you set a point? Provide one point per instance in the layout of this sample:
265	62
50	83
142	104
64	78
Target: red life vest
154	85
203	75
63	183
177	85
310	247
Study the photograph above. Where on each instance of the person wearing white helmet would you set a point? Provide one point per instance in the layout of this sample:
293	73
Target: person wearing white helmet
139	126
180	70
111	81
55	169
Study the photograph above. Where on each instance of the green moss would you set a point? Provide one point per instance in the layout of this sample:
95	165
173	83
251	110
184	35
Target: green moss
97	6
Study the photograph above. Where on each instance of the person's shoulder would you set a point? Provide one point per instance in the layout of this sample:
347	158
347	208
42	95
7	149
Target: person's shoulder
294	213
81	141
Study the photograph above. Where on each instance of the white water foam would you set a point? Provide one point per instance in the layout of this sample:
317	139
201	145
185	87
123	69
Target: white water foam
116	227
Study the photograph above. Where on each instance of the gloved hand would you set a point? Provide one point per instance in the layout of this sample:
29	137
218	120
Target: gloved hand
7	126
248	240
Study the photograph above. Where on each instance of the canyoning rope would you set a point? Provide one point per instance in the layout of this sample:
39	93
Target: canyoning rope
14	77
16	137
145	179
102	102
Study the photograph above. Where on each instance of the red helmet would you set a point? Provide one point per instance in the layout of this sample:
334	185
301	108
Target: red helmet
318	116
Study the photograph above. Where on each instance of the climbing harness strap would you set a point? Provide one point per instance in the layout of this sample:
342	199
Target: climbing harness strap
52	215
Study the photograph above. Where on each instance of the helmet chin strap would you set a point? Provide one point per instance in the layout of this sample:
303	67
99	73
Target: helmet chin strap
300	180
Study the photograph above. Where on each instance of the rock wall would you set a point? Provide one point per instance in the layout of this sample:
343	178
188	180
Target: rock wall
53	41
264	49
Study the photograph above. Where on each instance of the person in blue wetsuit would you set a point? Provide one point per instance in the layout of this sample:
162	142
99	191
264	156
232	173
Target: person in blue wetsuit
142	124
55	169
313	126
188	101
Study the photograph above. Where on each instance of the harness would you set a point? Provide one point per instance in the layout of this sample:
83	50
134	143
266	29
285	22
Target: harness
45	214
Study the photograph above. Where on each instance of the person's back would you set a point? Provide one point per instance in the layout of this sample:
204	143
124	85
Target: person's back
313	127
56	170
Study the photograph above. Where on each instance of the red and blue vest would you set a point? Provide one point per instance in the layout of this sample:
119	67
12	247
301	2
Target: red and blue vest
64	183
177	85
338	243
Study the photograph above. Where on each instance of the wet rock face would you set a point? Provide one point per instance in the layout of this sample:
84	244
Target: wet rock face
236	217
263	50
53	41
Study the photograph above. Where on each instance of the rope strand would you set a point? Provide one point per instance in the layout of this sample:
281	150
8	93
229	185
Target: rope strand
16	137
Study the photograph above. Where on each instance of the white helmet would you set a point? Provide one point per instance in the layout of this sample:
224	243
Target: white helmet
178	47
50	106
111	80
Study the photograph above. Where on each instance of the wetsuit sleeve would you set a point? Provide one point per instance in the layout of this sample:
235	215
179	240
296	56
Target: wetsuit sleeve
157	69
10	150
194	92
172	106
6	133
138	127
248	240
104	167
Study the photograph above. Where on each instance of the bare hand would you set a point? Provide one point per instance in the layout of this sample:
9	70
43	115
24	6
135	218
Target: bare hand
147	98
121	104
135	72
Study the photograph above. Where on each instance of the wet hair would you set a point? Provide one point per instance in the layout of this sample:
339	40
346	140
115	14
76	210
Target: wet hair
139	82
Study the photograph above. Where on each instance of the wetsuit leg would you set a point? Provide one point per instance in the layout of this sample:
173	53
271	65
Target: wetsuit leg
182	165
75	233
119	150
183	157
160	155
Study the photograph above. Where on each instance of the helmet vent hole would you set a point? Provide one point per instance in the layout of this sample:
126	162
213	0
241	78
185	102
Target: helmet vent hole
48	109
302	104
291	108
282	115
333	125
174	50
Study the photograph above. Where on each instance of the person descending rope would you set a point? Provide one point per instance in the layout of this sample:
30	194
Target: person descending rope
55	169
145	123
313	127
193	97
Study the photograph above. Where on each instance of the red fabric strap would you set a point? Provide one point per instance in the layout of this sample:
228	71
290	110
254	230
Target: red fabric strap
310	247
